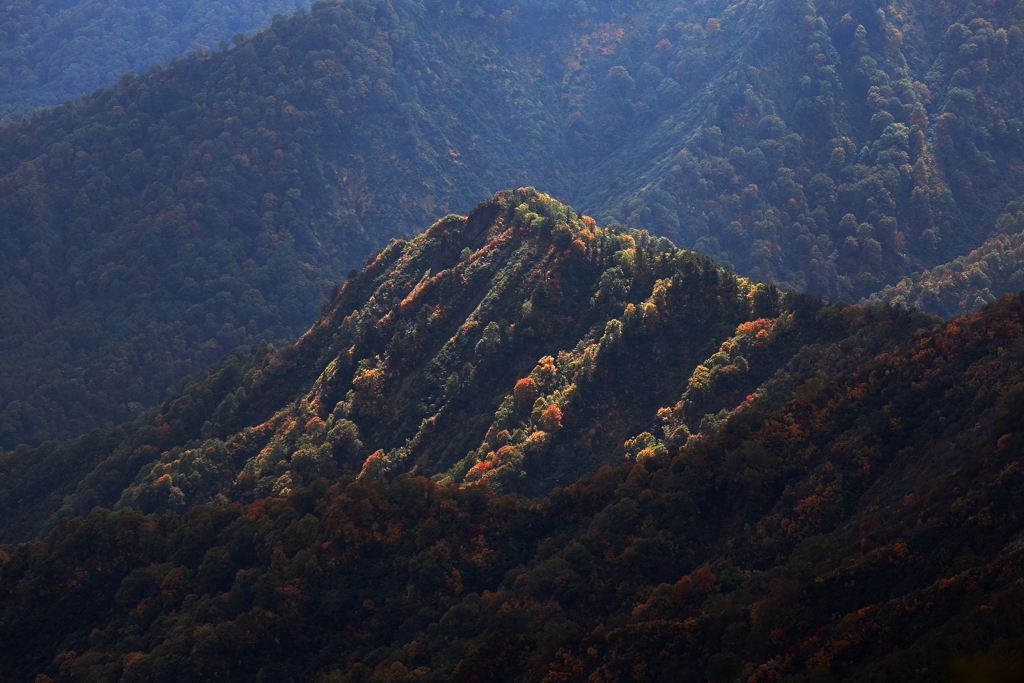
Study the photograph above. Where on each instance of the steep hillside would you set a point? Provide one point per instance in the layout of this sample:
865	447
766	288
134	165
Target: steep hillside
834	148
55	51
416	352
522	345
855	519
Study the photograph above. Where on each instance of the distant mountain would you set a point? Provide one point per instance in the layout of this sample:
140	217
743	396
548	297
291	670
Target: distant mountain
52	51
793	489
835	148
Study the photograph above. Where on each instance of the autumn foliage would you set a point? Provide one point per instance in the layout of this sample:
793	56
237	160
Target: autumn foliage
861	528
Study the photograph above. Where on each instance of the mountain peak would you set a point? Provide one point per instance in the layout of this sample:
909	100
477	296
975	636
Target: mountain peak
424	349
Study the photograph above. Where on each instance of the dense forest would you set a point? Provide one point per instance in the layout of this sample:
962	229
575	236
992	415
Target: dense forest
773	487
157	224
968	282
53	51
521	346
868	144
642	439
835	148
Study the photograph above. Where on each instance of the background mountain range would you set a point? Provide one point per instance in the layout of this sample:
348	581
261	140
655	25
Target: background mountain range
843	149
52	51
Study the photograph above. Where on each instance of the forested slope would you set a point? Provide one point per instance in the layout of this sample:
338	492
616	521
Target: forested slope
850	516
157	224
967	282
520	346
517	444
52	51
834	148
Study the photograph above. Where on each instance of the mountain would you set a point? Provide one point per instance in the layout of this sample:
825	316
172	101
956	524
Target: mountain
428	338
835	148
791	489
56	51
521	345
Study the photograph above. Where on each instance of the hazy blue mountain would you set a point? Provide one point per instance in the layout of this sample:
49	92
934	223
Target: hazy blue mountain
55	50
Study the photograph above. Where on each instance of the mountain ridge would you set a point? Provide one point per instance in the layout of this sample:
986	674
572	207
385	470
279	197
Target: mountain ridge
494	347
